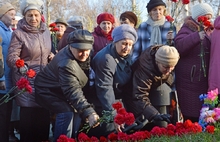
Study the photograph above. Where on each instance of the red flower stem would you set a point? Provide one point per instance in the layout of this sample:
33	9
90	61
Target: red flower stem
20	92
7	96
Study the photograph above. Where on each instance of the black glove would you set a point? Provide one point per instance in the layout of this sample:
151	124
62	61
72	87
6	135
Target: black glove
162	117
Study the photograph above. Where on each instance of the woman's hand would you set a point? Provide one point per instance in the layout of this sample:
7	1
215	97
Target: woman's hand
118	127
202	35
50	56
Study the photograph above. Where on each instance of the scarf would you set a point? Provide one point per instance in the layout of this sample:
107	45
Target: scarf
155	33
108	35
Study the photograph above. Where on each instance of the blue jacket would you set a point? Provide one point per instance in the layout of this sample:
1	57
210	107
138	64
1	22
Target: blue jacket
144	34
5	34
112	74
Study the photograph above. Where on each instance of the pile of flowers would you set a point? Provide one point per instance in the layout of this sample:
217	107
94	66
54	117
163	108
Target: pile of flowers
179	129
210	112
22	84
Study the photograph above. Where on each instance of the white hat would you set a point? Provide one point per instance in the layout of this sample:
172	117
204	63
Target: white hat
31	5
5	7
200	10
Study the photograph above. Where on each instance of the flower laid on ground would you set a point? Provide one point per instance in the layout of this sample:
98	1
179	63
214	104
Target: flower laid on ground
203	23
64	138
210	112
121	117
22	84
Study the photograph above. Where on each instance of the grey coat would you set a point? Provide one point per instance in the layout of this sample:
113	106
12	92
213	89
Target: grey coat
33	46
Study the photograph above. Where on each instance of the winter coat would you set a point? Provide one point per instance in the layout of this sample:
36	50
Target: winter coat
63	41
113	73
59	85
144	35
190	79
100	41
33	46
5	35
146	79
214	68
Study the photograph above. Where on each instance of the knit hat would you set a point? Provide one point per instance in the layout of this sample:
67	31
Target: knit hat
5	7
105	17
62	21
200	10
167	55
31	5
81	39
129	15
77	21
154	3
124	31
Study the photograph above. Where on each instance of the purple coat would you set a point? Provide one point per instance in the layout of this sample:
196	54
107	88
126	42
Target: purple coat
214	70
190	80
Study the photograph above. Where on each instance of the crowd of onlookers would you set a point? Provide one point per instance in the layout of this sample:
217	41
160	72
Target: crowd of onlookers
80	73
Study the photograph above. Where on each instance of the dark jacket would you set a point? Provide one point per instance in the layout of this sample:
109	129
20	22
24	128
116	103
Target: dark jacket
59	85
63	41
190	80
113	73
146	78
33	46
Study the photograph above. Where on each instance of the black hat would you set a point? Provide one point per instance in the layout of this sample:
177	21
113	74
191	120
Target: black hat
154	3
81	39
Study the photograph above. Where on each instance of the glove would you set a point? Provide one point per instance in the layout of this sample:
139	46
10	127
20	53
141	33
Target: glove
162	117
93	120
23	70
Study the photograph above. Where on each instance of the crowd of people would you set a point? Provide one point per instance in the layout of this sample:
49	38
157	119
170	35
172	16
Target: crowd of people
82	73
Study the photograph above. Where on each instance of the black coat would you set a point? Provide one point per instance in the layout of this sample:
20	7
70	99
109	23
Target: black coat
59	85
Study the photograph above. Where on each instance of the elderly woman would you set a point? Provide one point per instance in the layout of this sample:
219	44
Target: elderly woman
156	30
128	17
112	66
30	43
191	77
102	33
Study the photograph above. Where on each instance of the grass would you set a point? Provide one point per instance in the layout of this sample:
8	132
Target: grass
200	137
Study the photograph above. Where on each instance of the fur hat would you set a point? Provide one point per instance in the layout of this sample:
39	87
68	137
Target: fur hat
200	10
77	21
105	17
129	15
31	5
62	21
81	39
5	7
124	31
154	3
167	55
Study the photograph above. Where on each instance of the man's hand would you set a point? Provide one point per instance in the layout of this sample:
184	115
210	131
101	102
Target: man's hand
118	127
23	70
93	120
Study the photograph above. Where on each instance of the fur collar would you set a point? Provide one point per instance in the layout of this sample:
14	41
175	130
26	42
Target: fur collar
191	24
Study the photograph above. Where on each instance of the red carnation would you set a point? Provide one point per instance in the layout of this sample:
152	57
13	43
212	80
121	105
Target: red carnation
169	19
122	136
210	129
174	0
31	73
19	63
94	139
119	119
28	88
129	118
55	29
22	83
52	25
156	131
185	1
117	105
103	139
188	123
113	137
122	111
82	137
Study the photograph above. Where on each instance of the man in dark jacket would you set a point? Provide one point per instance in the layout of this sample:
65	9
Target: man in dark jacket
59	85
152	71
